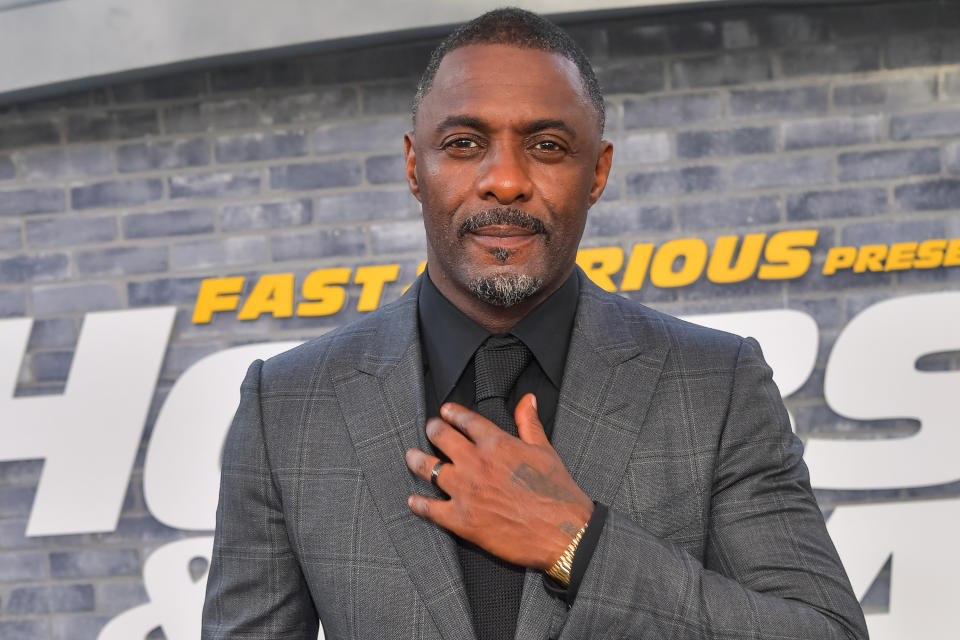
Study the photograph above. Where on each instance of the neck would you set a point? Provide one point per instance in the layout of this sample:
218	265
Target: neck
493	318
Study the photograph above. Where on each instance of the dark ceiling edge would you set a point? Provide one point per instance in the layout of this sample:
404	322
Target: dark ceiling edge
397	37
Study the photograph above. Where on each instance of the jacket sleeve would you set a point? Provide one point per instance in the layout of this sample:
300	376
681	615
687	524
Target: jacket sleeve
769	568
255	588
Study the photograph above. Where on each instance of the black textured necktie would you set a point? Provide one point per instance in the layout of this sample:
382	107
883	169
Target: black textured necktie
494	585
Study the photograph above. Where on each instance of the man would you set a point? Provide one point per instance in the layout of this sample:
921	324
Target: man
645	463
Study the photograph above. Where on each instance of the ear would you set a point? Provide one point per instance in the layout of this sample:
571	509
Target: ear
411	164
602	171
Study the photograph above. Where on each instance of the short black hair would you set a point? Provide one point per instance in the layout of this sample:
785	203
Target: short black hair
518	28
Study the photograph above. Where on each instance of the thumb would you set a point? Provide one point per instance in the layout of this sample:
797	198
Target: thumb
529	427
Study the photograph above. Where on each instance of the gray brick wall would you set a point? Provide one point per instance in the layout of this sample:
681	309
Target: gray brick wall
726	121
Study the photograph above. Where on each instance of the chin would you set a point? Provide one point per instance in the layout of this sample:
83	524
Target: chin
505	289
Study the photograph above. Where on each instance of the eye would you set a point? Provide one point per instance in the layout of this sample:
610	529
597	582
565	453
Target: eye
548	145
461	143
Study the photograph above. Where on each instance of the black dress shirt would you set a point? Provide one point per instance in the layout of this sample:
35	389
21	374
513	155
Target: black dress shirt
449	340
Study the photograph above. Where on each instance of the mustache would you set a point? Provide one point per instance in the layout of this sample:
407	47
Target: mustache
504	216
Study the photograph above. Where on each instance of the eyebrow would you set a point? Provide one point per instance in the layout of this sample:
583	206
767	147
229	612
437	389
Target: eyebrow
526	129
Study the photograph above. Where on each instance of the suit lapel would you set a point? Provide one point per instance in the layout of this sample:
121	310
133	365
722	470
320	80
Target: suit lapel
382	400
613	365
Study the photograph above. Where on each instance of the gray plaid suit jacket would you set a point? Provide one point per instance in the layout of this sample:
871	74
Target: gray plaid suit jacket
712	533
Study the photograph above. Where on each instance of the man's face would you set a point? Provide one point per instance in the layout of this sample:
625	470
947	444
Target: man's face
506	158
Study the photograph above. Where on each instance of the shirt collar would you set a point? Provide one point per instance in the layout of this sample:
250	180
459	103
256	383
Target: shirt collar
450	338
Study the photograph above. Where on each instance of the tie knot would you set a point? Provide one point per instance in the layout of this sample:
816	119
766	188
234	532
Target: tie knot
498	363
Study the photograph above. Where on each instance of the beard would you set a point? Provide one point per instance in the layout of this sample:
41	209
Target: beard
505	290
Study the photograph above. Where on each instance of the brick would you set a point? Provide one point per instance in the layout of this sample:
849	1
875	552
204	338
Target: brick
29	201
951	154
76	99
703	289
15	502
116	193
48	333
398	237
830	59
734	213
316	175
116	596
68	162
33	268
112	125
84	627
671	110
921	49
284	73
178	359
163	291
887	163
120	261
35	629
951	84
378	134
389	169
21	567
782	171
216	184
242	250
730	142
360	206
781	27
251	147
318	244
29	134
938	124
779	101
901	231
168	223
7	168
73	298
169	87
730	69
269	215
641	148
848	203
171	154
65	232
813	281
47	599
619	218
674	182
630	76
928	196
674	37
319	104
10	237
389	98
208	115
833	132
94	563
383	62
890	94
739	34
854	22
12	304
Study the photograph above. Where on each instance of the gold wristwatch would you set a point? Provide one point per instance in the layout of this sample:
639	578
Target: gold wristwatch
560	570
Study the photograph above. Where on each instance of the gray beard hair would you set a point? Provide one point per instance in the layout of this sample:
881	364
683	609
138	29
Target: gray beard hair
505	291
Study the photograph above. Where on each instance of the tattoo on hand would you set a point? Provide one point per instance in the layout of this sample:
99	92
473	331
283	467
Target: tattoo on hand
568	528
531	479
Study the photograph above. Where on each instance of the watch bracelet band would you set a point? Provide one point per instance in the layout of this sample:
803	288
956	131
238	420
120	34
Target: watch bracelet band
560	570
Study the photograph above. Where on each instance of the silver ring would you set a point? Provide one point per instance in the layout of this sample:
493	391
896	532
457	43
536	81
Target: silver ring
435	472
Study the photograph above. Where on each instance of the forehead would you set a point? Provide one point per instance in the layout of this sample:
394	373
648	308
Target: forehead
507	82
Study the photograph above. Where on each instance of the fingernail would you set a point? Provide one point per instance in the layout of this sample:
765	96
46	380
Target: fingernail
534	403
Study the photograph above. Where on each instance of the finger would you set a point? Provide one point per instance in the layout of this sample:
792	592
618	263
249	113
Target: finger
529	427
422	464
471	423
447	439
432	509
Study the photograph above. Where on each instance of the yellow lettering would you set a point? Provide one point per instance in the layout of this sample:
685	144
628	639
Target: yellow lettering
901	256
870	257
319	287
930	254
272	294
720	269
786	254
600	263
839	258
216	294
373	279
636	271
952	257
694	254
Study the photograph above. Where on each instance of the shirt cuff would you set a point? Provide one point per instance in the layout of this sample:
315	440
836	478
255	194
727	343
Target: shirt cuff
581	559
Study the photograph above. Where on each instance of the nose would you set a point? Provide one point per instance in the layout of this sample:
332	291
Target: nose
504	176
